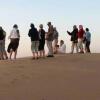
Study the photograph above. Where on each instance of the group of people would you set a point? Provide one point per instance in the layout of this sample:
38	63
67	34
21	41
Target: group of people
40	37
14	43
80	39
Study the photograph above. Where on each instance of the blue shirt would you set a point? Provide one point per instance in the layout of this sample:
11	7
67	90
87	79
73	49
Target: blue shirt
88	36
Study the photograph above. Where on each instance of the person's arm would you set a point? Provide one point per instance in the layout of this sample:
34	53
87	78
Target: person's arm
29	33
18	33
69	33
4	33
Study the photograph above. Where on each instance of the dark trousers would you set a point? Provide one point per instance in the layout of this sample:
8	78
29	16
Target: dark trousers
88	46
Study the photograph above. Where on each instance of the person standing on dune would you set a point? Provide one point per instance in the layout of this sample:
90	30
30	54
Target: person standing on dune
88	40
4	53
34	35
2	37
41	41
74	38
49	38
14	41
81	38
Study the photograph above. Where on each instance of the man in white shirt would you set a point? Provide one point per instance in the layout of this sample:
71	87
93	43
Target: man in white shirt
62	48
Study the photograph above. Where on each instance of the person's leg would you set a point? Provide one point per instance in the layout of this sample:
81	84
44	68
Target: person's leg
81	45
15	54
36	49
39	54
33	55
33	49
76	46
55	46
48	47
88	46
5	55
2	50
36	55
2	58
43	53
11	51
51	48
85	48
72	47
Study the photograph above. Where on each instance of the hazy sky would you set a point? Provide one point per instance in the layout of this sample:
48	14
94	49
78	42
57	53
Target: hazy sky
62	13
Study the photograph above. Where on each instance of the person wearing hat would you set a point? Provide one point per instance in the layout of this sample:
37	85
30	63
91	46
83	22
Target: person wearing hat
49	38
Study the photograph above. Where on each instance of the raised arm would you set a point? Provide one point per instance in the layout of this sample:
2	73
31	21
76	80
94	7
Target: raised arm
69	33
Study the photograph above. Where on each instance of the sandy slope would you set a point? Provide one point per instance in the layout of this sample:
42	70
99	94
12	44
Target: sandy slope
65	77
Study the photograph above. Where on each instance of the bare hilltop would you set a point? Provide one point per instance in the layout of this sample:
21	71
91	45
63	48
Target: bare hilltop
64	77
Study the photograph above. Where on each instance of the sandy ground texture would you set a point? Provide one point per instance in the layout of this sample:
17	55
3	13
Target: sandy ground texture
64	77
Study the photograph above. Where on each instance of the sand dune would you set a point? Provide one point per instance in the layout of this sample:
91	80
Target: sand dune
65	77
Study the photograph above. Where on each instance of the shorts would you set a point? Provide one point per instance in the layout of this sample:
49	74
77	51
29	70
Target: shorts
34	46
13	45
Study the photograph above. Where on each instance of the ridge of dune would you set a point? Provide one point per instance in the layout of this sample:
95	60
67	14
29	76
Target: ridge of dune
64	77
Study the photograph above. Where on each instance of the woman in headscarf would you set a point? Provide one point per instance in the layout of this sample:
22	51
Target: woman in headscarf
81	38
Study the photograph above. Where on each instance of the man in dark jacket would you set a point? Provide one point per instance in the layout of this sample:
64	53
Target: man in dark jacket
74	38
34	35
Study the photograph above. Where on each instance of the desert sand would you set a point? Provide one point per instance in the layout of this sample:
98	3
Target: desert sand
64	77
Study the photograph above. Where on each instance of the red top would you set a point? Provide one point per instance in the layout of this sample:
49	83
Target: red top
81	33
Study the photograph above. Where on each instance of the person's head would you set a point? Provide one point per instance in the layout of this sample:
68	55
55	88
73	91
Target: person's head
32	25
87	29
61	42
15	26
74	27
80	27
49	23
41	26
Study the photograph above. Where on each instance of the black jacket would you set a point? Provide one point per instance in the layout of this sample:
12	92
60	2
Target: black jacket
33	33
74	35
42	34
